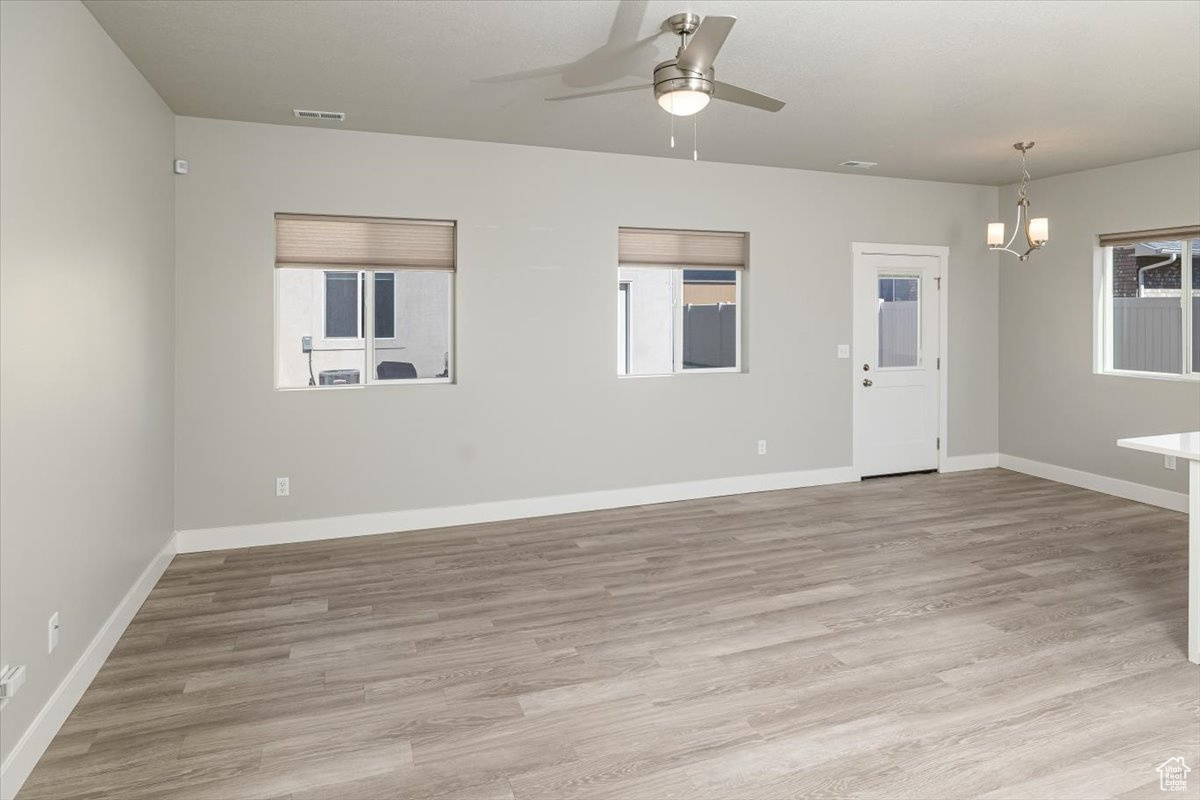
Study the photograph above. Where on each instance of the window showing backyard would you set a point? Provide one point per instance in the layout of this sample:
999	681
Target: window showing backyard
1150	316
362	301
678	295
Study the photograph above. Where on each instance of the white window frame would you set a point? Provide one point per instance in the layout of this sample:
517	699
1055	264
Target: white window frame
623	291
1102	350
677	325
327	342
367	344
902	275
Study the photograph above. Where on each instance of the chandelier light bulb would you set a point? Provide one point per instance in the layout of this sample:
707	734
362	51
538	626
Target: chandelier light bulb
995	234
1039	230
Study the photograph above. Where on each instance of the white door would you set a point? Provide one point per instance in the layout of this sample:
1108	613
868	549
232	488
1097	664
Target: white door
895	366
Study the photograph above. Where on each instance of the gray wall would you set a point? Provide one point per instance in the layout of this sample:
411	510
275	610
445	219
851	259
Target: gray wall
537	409
86	337
1054	409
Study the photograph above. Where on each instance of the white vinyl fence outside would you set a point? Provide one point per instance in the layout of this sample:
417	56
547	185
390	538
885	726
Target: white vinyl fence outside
899	329
710	336
1148	333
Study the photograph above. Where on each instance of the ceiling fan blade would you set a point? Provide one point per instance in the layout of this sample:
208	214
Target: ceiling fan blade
736	94
602	91
702	49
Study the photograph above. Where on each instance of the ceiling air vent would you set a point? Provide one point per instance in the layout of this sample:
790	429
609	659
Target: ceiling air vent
329	116
859	164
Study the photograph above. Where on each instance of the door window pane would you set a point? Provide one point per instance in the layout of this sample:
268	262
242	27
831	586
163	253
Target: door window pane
899	321
341	305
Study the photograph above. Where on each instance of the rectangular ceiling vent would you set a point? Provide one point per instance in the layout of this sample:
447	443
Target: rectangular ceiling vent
330	116
859	164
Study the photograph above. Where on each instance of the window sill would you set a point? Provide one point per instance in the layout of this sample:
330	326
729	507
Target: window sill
715	371
344	386
1193	377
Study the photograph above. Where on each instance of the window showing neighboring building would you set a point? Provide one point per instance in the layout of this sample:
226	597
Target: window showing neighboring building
362	301
342	306
1150	310
678	297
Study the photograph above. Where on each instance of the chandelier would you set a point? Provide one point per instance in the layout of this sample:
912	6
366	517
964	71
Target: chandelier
1037	230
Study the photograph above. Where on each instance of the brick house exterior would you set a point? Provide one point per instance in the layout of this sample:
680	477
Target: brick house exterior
1127	261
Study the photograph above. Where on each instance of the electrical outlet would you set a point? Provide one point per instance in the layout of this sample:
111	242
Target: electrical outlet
1169	462
762	447
843	351
52	632
283	487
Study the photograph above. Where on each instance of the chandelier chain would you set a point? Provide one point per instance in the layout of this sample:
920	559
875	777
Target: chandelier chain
1023	190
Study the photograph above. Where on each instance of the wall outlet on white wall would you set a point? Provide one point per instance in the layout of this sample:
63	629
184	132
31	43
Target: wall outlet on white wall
1169	462
762	447
283	487
843	351
52	632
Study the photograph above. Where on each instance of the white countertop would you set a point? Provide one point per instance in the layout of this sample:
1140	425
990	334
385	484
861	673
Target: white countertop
1182	445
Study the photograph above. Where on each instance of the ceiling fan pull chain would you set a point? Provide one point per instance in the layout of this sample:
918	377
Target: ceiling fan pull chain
671	117
695	140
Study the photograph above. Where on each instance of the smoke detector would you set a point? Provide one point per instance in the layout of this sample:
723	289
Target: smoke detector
328	116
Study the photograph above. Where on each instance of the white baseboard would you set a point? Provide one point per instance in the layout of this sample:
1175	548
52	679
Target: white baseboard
976	461
307	530
1151	495
45	725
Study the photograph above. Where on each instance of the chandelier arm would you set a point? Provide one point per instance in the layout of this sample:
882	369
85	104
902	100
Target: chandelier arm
1016	230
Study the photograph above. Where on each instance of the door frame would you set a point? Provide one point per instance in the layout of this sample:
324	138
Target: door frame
858	250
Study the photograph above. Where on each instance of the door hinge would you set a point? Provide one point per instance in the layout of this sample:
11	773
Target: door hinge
939	443
938	280
939	362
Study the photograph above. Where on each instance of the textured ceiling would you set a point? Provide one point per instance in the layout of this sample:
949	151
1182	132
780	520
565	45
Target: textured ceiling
929	90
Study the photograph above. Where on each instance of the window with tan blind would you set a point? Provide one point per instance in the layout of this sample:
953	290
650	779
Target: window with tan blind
679	296
363	300
1148	320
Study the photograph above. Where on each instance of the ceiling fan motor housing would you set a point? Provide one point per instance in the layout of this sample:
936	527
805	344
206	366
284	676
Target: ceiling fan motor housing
670	78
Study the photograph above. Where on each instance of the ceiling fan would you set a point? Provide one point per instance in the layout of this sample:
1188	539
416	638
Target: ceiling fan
684	85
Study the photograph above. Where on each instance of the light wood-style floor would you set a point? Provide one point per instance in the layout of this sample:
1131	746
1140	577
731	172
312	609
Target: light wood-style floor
979	635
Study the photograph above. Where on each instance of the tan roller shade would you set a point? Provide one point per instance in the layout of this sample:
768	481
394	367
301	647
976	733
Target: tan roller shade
1156	235
303	240
654	247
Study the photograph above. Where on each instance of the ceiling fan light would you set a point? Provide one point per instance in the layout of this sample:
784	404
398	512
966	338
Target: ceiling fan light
683	102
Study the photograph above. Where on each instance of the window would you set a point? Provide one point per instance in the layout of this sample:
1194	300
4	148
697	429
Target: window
1149	313
345	293
678	295
353	292
899	321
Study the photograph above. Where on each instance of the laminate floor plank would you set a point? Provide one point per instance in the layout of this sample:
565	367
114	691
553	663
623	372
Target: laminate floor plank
982	634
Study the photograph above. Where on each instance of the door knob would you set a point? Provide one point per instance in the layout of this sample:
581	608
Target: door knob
868	382
866	367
